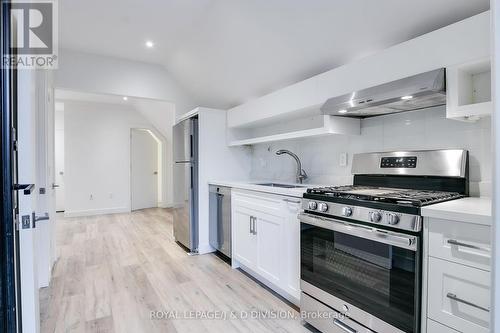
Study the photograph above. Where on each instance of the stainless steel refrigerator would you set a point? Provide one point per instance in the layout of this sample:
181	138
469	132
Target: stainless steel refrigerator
185	182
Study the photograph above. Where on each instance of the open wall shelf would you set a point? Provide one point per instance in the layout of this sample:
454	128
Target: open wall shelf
293	129
468	90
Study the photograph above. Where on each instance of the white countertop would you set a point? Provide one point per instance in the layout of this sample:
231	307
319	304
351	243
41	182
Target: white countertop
253	186
471	210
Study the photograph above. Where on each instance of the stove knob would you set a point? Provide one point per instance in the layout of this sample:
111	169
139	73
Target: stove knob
347	211
392	219
313	205
375	217
322	207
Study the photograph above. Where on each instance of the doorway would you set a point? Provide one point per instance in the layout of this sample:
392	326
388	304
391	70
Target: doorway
145	169
59	157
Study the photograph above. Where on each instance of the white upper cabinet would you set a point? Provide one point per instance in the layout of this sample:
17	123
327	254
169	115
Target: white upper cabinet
468	90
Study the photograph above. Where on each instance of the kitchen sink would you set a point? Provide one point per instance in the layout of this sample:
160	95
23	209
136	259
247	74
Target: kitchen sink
281	185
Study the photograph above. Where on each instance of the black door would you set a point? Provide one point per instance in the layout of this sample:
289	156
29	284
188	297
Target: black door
10	311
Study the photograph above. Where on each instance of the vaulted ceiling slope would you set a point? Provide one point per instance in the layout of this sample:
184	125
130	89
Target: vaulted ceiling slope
226	52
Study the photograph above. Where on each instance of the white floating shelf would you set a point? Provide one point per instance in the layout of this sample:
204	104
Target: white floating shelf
294	129
468	90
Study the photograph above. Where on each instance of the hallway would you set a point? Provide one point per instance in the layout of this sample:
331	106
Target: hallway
113	270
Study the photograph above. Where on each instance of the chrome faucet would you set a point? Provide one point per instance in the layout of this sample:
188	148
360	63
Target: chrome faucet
301	174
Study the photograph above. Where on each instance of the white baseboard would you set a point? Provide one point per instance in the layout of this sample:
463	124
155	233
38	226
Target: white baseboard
165	205
177	205
91	212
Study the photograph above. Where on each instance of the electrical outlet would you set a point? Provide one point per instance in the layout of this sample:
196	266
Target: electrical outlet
343	159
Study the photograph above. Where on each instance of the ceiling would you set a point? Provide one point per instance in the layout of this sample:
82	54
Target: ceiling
225	52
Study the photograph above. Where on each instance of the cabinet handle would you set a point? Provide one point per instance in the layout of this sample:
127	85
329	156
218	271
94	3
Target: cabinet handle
254	226
470	246
455	298
250	224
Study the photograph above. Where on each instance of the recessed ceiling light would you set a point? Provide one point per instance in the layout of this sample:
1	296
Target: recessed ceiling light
407	97
342	111
125	98
149	44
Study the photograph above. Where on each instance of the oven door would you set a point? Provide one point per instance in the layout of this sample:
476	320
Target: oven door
371	275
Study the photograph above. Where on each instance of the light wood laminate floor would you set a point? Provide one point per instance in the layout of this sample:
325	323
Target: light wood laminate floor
113	270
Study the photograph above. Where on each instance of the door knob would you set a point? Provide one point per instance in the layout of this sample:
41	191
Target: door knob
54	185
36	218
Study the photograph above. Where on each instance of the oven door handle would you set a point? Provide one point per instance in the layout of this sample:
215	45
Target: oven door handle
343	326
382	236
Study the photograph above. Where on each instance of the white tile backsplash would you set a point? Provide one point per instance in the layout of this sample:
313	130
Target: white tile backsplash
424	129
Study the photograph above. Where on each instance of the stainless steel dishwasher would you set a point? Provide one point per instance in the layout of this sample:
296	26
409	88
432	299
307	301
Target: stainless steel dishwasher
220	219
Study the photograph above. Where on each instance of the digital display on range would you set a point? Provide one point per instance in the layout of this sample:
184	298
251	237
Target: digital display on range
399	162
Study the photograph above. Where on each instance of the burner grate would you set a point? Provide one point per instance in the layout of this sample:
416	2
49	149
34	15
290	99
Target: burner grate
416	198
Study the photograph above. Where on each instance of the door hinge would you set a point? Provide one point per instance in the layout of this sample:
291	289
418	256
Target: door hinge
16	221
14	140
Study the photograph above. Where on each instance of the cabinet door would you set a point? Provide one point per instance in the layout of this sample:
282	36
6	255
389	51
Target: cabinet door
291	255
459	296
463	243
434	327
244	242
269	246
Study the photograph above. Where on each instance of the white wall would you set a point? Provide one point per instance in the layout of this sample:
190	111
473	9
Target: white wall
97	156
217	162
455	44
425	129
107	75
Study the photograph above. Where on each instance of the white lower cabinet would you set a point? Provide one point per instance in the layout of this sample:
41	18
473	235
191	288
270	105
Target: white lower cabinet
458	277
266	239
245	251
268	229
292	245
459	296
435	327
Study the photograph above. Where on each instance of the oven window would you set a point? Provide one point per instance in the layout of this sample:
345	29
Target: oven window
375	277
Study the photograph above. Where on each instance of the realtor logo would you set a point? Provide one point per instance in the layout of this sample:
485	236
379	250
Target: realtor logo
33	41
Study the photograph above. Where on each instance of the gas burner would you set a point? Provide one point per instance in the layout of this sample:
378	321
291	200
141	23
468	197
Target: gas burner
405	197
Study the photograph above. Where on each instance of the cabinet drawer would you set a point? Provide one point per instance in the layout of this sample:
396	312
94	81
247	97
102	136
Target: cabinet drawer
261	202
434	327
459	296
463	243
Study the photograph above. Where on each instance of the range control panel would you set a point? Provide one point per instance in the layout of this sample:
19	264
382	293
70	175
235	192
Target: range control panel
399	162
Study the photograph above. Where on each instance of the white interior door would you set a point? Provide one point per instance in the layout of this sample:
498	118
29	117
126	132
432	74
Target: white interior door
59	157
144	170
27	167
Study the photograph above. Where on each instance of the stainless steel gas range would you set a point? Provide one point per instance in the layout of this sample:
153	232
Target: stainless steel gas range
361	244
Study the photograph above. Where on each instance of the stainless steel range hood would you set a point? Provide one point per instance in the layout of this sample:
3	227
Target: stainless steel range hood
412	93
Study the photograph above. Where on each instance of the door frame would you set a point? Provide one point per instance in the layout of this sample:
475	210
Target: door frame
10	296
